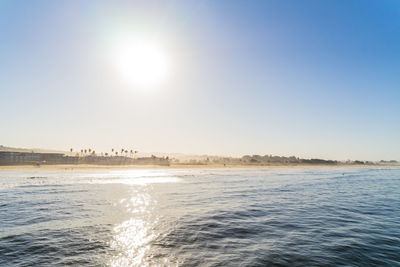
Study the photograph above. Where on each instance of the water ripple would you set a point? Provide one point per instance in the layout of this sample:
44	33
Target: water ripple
244	217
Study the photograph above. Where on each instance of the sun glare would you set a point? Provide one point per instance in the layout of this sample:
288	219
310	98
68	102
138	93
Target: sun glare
141	64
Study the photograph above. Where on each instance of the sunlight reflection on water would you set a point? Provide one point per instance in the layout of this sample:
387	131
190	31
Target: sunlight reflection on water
137	181
135	177
132	237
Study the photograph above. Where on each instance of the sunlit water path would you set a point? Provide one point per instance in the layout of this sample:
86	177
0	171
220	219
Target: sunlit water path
207	217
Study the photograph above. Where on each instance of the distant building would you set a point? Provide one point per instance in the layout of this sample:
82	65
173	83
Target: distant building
32	158
23	158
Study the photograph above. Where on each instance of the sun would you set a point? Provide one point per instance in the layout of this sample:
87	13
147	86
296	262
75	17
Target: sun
141	63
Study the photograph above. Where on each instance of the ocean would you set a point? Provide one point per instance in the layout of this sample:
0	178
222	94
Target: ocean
201	217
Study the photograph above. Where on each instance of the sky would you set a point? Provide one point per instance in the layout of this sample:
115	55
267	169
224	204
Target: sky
304	78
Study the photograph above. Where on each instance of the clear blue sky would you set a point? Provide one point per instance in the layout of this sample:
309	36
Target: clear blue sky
304	78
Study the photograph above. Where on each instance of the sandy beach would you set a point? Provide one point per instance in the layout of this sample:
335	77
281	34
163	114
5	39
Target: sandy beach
174	166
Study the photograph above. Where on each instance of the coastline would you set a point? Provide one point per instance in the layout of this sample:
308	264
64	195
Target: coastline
71	167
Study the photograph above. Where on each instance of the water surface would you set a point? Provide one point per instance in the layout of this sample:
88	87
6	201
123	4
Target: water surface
207	217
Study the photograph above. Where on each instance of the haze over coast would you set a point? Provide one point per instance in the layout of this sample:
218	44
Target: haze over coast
14	158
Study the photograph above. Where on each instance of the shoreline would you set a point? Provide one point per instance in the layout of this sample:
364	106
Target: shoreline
71	167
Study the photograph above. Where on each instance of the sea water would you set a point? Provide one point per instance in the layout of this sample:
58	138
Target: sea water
201	217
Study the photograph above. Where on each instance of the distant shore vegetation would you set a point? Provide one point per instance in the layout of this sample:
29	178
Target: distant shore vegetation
20	156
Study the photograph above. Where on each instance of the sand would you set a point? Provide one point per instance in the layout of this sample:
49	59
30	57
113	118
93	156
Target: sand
174	166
